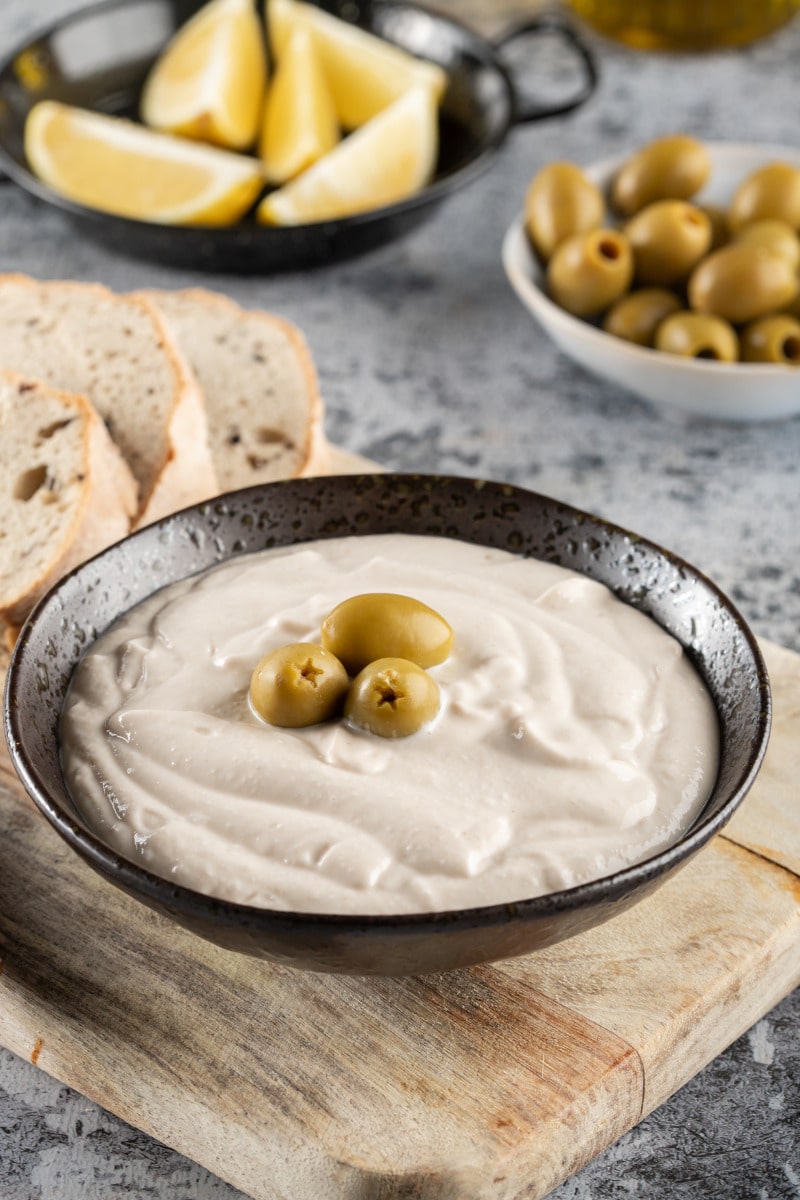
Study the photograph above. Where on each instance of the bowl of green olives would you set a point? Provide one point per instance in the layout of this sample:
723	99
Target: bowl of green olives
89	600
673	272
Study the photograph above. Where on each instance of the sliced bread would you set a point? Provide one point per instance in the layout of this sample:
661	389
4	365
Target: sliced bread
117	352
259	384
65	490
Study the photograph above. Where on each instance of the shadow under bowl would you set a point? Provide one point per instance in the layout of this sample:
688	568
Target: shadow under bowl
679	598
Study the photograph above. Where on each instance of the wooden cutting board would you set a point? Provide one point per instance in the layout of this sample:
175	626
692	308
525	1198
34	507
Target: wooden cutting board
496	1082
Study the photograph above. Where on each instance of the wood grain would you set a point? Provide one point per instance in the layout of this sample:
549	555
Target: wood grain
769	823
497	1082
683	975
336	1080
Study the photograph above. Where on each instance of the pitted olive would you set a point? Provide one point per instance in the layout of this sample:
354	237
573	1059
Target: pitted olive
589	271
298	685
384	625
774	339
771	192
670	168
392	698
775	235
667	239
560	201
698	335
637	316
742	282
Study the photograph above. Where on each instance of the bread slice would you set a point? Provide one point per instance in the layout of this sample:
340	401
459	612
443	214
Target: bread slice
65	490
117	352
257	377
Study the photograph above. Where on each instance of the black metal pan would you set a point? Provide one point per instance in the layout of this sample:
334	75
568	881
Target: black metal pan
98	58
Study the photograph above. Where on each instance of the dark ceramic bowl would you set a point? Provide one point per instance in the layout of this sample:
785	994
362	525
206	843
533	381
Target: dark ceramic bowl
99	57
674	594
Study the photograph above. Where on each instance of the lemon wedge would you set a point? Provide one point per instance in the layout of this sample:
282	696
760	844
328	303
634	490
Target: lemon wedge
123	168
209	82
300	122
365	73
384	161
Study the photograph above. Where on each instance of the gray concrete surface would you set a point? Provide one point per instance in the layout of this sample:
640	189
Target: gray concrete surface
427	361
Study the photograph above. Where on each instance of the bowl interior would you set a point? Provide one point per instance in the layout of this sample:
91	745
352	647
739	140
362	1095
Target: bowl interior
727	391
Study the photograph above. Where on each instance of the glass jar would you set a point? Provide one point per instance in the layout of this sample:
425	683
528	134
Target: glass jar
685	24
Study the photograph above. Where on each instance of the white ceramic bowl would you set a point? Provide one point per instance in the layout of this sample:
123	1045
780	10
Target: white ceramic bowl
727	391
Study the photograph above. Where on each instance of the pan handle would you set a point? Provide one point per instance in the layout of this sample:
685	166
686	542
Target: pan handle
550	23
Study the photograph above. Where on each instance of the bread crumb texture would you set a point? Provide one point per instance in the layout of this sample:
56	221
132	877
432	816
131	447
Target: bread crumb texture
117	410
66	493
262	399
83	339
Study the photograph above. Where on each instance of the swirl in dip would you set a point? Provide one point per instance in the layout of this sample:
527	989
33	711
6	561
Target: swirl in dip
574	737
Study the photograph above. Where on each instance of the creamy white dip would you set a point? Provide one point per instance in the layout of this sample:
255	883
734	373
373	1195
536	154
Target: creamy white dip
574	737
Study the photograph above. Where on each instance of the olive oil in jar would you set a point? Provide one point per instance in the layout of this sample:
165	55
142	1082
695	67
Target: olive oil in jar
685	24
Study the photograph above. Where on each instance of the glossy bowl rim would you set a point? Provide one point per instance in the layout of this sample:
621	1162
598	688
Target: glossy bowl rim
186	901
530	290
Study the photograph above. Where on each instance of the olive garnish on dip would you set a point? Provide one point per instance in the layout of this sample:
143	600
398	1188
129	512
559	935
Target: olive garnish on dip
386	641
298	685
384	625
392	697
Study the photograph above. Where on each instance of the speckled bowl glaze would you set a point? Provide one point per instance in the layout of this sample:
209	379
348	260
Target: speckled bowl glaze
673	593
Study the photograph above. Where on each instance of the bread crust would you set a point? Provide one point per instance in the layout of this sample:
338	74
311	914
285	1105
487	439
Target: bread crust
185	473
110	502
312	452
102	514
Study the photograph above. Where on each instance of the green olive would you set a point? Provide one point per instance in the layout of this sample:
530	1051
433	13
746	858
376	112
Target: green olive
774	339
667	238
670	168
698	335
589	271
636	317
793	308
771	192
298	685
742	282
720	232
393	698
560	201
384	625
775	235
